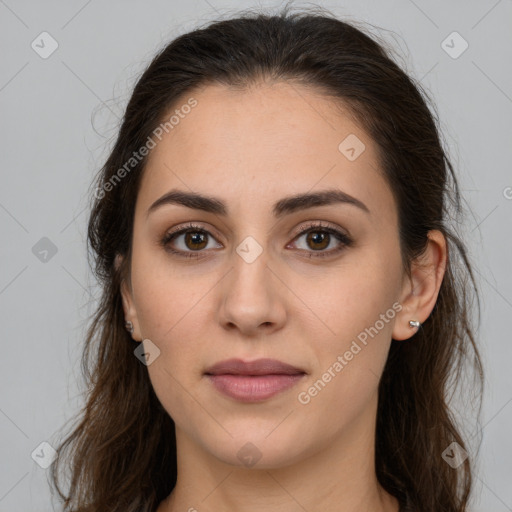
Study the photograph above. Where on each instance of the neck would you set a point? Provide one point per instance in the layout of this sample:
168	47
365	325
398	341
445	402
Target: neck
339	477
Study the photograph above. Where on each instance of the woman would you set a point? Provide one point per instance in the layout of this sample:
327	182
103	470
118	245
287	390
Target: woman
284	304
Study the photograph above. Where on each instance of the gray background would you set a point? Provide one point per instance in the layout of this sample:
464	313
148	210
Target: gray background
59	116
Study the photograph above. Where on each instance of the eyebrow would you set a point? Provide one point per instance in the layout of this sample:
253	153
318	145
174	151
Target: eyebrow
282	207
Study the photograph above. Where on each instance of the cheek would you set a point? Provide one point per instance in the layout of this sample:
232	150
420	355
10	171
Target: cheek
356	309
171	322
343	387
172	313
350	299
165	296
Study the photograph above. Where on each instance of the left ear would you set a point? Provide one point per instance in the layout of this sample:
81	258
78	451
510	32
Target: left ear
130	312
420	291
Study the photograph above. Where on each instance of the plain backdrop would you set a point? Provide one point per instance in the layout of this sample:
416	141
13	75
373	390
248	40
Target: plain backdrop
59	114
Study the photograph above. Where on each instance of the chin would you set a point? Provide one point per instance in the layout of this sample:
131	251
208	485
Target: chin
253	449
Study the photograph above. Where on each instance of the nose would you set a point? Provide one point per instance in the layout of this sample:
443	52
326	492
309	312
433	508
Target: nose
252	298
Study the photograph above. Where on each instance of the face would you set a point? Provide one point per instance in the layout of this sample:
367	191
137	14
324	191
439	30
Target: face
316	285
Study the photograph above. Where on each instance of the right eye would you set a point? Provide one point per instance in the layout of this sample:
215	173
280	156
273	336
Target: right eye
191	240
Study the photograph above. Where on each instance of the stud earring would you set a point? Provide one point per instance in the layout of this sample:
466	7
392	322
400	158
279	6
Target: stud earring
129	326
414	323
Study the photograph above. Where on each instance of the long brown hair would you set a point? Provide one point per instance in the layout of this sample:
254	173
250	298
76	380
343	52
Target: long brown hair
121	454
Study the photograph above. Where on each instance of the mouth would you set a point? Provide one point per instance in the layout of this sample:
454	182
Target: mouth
254	368
253	381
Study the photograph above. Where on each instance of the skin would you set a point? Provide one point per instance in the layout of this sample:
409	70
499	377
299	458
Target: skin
251	149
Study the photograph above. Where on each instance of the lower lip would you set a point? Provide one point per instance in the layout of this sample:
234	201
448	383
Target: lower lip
253	388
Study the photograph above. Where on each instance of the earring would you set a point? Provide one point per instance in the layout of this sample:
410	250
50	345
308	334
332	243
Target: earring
414	323
129	326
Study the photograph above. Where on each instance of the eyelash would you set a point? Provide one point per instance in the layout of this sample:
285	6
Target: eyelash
345	240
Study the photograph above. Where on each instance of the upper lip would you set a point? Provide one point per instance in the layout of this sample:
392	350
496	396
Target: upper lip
257	367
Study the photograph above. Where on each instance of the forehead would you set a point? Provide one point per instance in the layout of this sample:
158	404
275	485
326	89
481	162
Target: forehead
270	140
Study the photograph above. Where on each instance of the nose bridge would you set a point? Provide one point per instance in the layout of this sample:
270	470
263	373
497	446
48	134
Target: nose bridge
250	296
250	263
250	277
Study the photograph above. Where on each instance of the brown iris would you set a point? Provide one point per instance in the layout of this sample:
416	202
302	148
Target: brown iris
197	240
318	237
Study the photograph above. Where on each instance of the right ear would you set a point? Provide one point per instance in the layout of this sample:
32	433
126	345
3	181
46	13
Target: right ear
130	312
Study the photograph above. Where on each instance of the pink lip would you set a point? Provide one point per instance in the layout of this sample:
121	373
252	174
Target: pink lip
253	381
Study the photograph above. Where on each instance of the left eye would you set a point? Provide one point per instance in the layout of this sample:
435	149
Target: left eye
319	237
